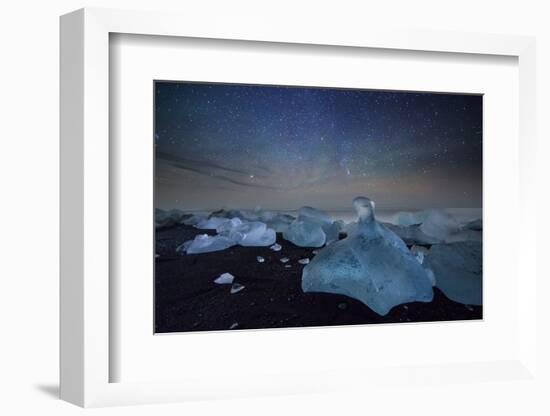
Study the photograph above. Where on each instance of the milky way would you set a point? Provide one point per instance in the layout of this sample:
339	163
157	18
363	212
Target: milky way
243	146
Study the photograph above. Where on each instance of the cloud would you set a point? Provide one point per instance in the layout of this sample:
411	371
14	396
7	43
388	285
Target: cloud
260	177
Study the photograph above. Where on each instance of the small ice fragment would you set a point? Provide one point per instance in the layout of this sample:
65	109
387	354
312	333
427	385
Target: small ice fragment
342	306
287	266
234	325
236	288
405	307
303	261
225	279
315	252
276	247
285	260
260	259
157	256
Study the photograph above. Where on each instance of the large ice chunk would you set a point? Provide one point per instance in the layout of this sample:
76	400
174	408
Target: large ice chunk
439	224
372	265
228	225
314	215
280	222
433	226
312	228
412	234
458	270
248	234
253	234
211	223
204	243
305	234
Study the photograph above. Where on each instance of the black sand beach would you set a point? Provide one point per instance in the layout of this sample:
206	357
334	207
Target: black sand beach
187	299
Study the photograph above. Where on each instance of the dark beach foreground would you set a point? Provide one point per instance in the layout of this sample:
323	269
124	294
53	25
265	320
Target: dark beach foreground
187	299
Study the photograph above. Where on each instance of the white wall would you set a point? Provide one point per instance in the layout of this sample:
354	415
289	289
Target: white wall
29	185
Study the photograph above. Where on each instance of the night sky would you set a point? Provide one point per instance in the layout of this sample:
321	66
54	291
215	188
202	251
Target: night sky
247	146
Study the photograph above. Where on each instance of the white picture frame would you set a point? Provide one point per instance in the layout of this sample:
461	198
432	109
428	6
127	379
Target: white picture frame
85	216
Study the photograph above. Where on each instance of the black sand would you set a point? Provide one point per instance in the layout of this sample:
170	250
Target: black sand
187	299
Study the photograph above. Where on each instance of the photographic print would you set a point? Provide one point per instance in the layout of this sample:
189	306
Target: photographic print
293	206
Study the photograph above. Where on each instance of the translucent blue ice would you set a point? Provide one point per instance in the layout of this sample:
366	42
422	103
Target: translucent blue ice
252	234
305	234
457	268
312	228
372	265
204	243
408	218
439	224
211	223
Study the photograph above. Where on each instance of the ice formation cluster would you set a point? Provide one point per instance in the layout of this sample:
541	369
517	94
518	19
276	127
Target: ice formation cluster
230	232
371	264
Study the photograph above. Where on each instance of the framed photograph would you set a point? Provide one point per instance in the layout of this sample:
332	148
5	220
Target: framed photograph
261	220
277	213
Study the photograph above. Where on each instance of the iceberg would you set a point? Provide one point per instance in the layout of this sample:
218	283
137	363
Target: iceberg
372	265
457	268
